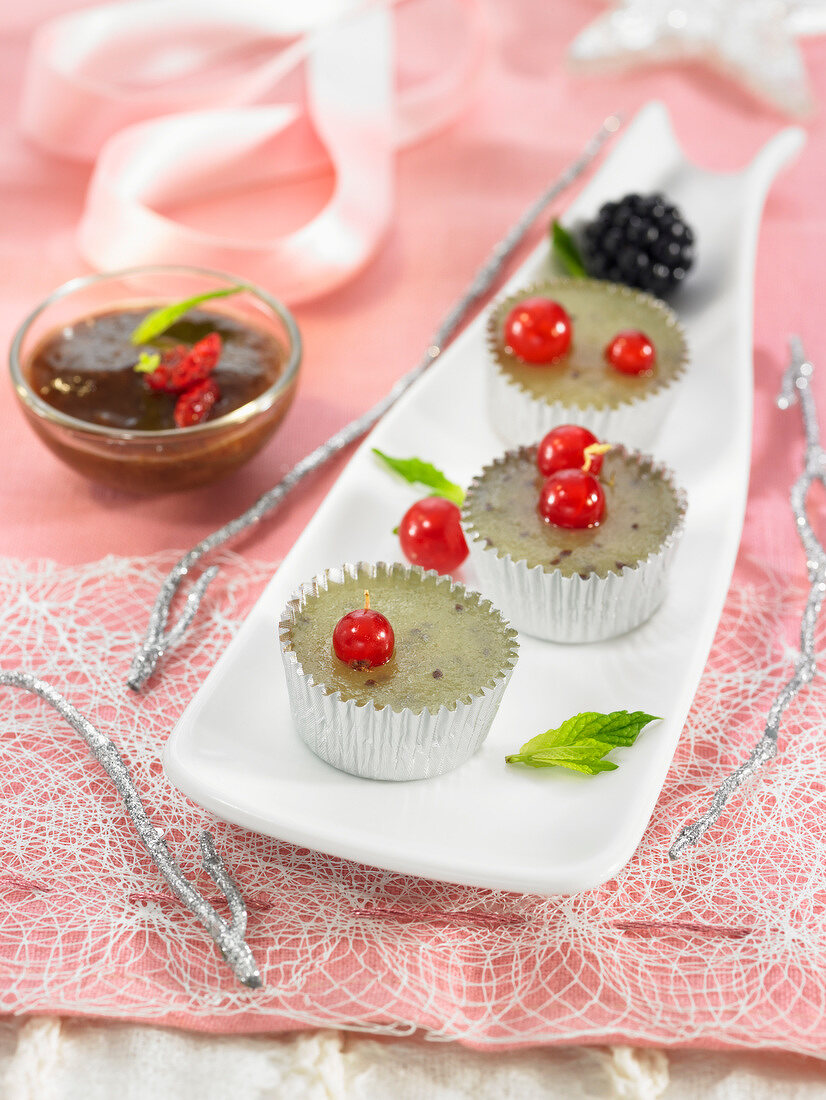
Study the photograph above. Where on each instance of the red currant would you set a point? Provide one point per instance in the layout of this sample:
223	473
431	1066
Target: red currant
631	352
563	448
364	638
572	498
431	535
196	403
538	330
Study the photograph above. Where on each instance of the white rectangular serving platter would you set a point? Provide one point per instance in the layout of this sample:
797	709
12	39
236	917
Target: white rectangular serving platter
234	749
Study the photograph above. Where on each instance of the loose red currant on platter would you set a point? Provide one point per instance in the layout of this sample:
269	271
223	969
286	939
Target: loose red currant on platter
363	638
631	352
431	535
563	448
572	498
538	330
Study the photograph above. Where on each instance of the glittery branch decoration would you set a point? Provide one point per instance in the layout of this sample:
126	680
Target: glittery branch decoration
158	640
229	936
795	387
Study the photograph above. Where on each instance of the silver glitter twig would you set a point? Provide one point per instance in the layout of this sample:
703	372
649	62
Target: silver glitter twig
157	641
229	936
795	387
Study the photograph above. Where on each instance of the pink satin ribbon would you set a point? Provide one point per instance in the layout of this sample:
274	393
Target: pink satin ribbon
176	99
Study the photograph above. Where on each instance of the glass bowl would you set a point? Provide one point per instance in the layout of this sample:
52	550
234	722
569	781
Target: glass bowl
176	458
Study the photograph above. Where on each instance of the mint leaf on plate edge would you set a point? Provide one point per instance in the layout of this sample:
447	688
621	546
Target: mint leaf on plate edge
582	741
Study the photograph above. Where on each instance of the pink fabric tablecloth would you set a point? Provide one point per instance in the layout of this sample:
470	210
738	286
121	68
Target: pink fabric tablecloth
457	193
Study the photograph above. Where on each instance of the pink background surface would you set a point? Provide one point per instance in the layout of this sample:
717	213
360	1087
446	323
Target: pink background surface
457	193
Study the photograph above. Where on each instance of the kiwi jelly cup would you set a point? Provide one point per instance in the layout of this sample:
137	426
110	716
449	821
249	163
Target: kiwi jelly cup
541	600
173	459
389	741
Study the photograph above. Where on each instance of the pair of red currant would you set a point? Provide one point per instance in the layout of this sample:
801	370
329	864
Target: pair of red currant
570	457
539	330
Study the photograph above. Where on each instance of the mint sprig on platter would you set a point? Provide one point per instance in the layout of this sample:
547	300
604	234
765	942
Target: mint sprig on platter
566	251
158	321
418	472
582	742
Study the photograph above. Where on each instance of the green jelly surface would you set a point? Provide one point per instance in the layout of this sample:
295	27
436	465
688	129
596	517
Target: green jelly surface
583	378
447	648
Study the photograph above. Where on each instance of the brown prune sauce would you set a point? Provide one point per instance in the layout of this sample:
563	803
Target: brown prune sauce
86	369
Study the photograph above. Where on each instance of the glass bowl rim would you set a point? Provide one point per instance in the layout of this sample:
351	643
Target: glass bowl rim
259	404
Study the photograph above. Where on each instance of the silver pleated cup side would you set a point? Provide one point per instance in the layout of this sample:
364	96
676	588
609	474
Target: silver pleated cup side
573	609
519	418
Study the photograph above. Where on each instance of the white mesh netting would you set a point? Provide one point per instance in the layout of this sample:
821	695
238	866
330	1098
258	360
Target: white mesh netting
727	946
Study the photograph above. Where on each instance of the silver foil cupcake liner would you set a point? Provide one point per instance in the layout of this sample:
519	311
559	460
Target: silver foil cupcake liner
380	742
556	608
521	418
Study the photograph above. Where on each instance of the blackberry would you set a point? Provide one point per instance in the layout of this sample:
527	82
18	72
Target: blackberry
640	240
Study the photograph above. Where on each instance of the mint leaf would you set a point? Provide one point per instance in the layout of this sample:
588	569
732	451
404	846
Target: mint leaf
617	728
158	321
586	756
147	362
582	741
418	472
565	249
589	767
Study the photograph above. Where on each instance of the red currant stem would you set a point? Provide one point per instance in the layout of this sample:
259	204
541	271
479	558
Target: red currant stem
590	453
366	600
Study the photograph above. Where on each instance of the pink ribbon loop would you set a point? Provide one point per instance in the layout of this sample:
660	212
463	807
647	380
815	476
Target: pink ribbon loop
174	100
